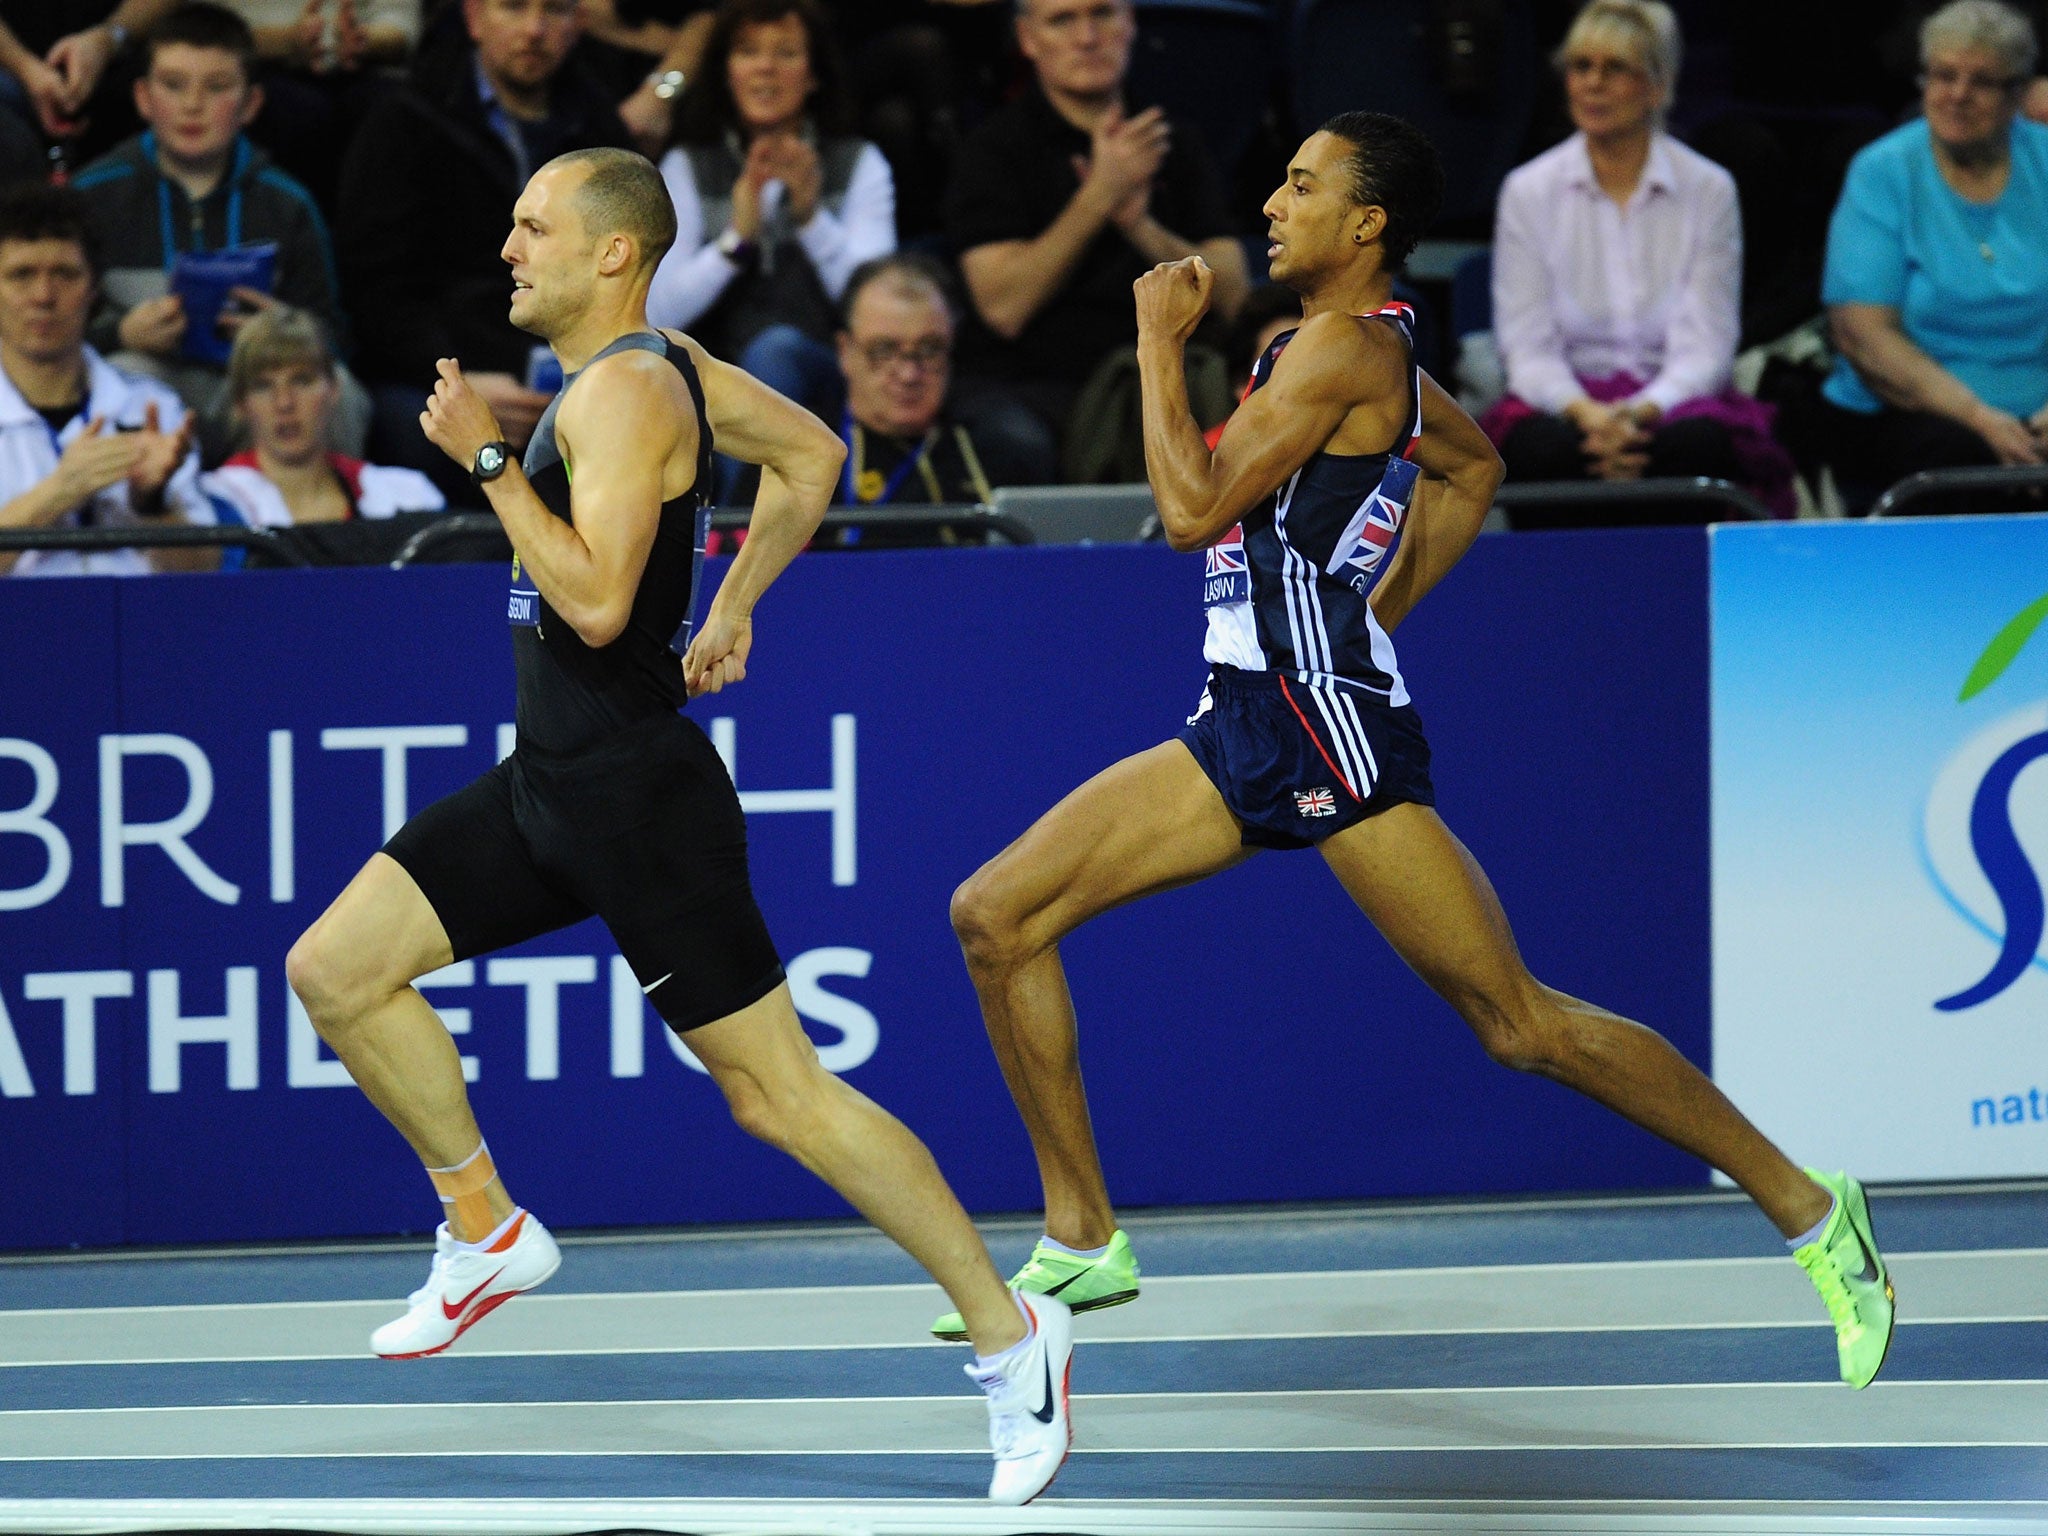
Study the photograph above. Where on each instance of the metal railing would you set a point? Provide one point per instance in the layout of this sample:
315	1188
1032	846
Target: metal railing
1942	482
267	541
1619	494
1597	493
452	527
961	517
439	535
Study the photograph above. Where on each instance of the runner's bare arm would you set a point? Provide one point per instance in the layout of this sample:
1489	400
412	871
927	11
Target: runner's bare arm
1460	473
800	458
621	427
1333	365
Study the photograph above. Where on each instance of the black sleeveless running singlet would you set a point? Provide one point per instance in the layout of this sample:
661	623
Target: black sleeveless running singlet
572	695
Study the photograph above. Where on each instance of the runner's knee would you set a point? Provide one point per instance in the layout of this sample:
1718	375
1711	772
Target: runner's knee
989	927
325	979
777	1112
336	981
1519	1028
754	1112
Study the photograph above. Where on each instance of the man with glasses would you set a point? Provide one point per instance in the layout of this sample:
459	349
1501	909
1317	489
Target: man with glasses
903	447
896	354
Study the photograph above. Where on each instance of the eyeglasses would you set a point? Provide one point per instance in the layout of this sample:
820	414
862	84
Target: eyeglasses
1602	69
932	352
1968	81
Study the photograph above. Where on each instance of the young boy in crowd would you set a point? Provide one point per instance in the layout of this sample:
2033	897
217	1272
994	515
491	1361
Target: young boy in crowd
193	184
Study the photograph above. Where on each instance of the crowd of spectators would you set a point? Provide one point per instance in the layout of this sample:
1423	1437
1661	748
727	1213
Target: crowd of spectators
235	237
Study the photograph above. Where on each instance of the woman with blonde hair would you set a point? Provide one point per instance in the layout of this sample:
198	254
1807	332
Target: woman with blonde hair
1617	284
285	387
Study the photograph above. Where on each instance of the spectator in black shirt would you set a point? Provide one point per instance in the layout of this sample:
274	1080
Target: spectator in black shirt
903	447
1062	199
422	214
896	354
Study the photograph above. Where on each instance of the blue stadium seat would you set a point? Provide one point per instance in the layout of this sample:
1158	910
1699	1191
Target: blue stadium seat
1386	56
1209	63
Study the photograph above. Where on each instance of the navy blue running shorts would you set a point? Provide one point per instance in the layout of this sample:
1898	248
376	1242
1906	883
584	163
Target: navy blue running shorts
1296	764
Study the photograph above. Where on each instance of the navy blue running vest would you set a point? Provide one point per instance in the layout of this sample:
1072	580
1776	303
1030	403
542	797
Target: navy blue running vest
1286	589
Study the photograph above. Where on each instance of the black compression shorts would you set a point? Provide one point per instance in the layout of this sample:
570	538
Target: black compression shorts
643	830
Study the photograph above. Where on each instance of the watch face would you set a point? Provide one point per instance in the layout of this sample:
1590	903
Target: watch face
490	459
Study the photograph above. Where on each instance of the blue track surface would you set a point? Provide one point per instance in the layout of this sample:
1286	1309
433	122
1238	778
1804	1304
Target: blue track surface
1711	1393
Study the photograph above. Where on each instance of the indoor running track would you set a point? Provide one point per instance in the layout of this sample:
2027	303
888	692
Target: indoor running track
1602	1365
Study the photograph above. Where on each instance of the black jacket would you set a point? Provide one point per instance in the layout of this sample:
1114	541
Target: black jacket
425	204
144	220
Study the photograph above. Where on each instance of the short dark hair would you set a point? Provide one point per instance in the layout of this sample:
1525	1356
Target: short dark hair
910	269
706	113
200	24
624	194
33	210
1394	167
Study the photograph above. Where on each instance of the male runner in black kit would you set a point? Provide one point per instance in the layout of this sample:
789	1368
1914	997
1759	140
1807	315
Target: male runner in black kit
613	803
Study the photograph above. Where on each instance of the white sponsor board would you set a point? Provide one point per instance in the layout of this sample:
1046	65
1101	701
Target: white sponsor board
1880	836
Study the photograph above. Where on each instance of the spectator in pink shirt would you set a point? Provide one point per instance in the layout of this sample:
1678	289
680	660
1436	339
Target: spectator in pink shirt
1617	287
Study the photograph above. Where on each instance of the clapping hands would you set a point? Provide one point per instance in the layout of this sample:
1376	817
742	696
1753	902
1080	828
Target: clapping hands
782	157
1122	161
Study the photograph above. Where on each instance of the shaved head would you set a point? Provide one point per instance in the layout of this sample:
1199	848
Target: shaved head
623	194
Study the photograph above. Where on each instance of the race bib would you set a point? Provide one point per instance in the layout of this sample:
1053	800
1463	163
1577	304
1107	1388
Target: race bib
1226	578
524	605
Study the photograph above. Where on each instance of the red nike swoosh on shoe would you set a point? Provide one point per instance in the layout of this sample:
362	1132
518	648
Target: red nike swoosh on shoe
454	1310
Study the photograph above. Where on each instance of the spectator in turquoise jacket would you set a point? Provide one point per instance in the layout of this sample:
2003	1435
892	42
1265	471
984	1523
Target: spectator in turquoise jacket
1937	268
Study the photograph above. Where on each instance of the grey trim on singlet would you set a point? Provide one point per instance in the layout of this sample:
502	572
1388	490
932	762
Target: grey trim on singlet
541	451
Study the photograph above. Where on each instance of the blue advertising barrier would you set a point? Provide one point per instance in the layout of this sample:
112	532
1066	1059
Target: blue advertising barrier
191	767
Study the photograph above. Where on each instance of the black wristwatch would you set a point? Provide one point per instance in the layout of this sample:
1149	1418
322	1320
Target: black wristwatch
490	462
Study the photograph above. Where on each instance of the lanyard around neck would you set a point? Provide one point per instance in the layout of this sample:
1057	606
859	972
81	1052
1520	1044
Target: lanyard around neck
850	477
166	226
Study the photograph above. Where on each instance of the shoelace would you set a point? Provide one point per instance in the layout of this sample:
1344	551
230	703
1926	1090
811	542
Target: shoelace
1834	1290
431	1291
1003	1410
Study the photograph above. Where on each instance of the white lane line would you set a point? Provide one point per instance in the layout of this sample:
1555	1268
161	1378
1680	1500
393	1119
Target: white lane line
1315	1217
1651	1270
1990	1286
1084	1517
1795	1415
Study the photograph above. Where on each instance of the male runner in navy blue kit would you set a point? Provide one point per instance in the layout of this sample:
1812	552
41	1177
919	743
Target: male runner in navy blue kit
614	803
1343	489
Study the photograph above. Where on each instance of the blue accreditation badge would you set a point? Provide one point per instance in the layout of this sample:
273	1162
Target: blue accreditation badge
524	606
